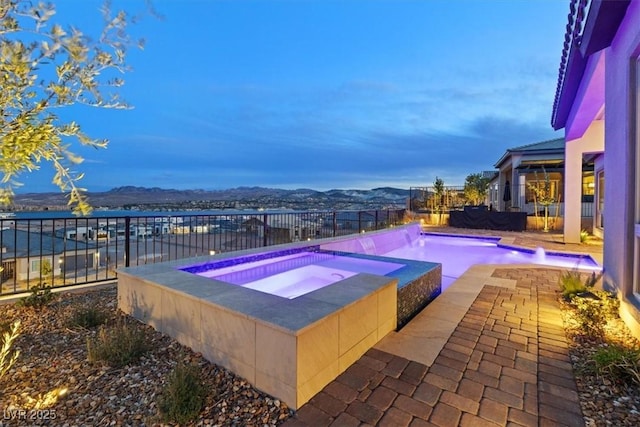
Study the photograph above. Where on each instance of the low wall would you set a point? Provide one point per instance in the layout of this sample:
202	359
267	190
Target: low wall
289	349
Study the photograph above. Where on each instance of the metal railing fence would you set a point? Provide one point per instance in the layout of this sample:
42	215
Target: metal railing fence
61	252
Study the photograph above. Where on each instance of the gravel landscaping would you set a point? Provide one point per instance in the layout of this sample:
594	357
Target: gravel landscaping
53	356
604	401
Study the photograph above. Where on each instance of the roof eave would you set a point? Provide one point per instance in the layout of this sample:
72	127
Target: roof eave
600	27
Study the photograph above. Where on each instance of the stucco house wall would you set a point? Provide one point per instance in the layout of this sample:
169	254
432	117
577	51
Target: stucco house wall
620	162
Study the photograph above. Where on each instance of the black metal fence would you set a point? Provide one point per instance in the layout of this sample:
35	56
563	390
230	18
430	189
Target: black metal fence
70	251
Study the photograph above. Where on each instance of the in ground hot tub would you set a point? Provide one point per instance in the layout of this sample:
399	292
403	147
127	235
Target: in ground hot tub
315	314
291	275
288	345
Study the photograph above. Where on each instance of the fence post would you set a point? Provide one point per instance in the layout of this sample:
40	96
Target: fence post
335	224
377	225
359	221
264	230
127	240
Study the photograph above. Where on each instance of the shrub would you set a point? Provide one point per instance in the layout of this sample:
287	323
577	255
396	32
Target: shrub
41	296
7	357
584	235
618	362
594	310
183	395
571	282
590	316
88	317
117	345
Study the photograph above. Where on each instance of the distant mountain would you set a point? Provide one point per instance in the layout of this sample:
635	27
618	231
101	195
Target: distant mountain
131	196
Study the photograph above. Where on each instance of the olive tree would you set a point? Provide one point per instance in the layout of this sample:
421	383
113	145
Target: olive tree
46	67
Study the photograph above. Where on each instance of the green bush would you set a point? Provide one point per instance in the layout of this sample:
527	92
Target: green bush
572	282
117	345
41	296
618	363
591	316
584	235
88	317
594	310
183	395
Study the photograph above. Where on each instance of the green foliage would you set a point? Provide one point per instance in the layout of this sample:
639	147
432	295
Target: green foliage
591	316
594	310
88	317
40	297
475	188
584	235
438	187
571	282
618	363
183	395
45	66
45	268
7	356
117	345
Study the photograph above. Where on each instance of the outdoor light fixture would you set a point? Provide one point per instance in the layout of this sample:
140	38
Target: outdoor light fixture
212	252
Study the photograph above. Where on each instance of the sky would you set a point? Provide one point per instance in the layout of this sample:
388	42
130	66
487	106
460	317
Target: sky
321	94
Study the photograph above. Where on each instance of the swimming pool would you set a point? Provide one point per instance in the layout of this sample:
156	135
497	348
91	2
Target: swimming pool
457	253
291	347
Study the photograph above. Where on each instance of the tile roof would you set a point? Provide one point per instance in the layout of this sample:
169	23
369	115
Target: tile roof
591	26
551	144
571	40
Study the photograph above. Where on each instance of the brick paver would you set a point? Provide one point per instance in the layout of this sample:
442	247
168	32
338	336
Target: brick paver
505	364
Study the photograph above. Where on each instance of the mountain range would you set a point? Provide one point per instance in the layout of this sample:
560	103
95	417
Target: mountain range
131	196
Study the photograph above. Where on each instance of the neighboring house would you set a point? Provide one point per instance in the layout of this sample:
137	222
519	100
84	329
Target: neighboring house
598	105
520	166
23	253
285	228
76	233
352	220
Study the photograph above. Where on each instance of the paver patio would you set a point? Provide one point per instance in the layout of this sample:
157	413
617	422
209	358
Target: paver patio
490	351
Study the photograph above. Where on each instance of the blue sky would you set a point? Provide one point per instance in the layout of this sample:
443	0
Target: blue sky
323	94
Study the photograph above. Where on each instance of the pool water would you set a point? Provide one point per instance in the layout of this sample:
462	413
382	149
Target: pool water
292	275
296	272
457	254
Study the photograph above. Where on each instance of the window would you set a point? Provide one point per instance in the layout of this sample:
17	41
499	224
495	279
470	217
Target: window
588	187
35	266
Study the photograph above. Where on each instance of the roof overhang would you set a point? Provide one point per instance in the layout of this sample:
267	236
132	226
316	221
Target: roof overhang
600	27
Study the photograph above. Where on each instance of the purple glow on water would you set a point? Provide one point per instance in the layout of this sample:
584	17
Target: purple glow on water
296	274
293	275
457	254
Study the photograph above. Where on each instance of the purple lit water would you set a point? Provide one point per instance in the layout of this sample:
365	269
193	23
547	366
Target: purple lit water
457	254
293	275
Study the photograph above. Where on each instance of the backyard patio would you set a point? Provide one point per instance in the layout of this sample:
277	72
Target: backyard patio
492	349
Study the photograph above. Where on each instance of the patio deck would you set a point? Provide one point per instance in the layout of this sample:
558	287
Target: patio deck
489	351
